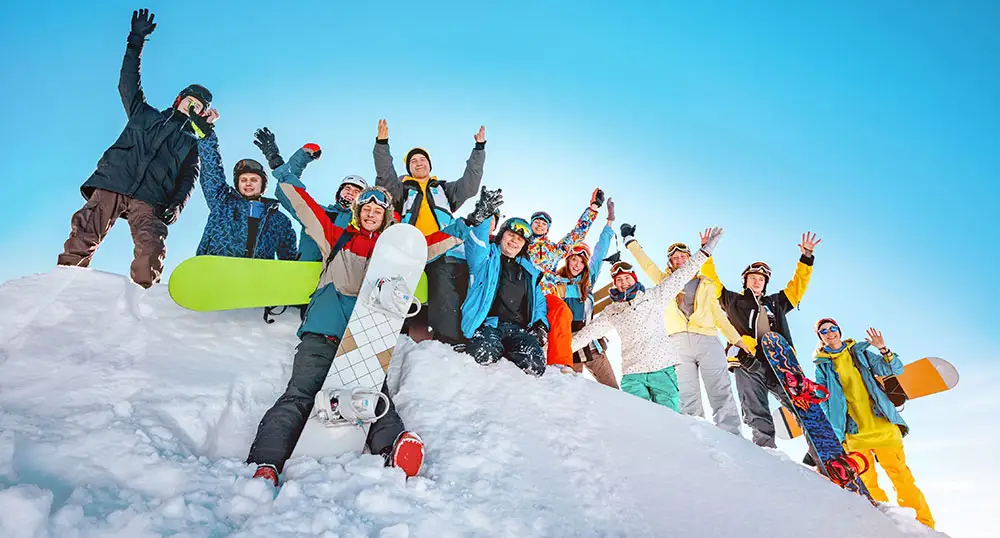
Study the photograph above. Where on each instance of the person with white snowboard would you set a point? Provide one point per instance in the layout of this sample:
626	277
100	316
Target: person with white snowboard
347	251
648	356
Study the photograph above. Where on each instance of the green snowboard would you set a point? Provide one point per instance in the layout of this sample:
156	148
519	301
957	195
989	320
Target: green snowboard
210	283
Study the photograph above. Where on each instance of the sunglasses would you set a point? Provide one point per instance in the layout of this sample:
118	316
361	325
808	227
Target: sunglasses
373	195
677	247
832	329
520	227
621	267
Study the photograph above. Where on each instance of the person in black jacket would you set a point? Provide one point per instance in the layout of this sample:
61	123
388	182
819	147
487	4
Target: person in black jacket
147	175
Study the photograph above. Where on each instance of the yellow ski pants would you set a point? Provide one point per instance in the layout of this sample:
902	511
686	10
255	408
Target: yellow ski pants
893	461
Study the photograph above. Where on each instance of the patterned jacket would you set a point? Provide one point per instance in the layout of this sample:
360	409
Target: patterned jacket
546	254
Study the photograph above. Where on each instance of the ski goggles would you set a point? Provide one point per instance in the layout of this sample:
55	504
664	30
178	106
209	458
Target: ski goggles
620	268
832	329
519	226
368	196
759	268
677	247
580	249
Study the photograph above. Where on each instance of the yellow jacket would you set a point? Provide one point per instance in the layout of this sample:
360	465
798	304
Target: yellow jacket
708	316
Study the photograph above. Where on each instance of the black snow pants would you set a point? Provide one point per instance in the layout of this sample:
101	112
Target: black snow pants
489	344
447	286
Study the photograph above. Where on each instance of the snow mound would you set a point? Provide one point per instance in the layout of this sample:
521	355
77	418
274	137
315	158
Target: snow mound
125	416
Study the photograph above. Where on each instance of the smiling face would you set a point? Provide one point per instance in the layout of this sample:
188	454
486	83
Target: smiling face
539	227
624	281
371	216
832	339
420	167
678	259
350	192
250	184
511	244
756	283
575	263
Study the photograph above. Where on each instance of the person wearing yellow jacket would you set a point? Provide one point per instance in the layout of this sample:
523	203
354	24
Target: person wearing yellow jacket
692	322
861	413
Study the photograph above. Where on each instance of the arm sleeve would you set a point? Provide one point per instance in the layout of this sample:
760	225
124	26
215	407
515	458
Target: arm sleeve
796	287
291	192
467	186
600	252
672	285
129	81
648	266
541	305
882	366
212	176
477	245
186	178
722	320
576	234
598	327
709	271
385	174
287	248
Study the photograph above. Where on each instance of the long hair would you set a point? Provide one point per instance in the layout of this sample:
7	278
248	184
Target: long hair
584	284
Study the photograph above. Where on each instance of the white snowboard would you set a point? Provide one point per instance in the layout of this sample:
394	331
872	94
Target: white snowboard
366	348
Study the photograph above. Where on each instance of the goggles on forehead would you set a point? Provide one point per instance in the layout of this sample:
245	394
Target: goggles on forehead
373	195
580	249
520	227
759	268
620	268
677	247
249	166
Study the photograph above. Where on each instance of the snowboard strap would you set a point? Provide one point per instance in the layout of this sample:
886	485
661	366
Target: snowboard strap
337	247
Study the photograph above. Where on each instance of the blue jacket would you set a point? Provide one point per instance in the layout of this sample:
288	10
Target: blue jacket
870	364
583	306
483	257
227	227
308	250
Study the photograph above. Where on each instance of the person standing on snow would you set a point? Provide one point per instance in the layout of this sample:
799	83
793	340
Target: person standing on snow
648	356
347	251
429	203
338	212
242	223
575	281
546	254
754	313
861	413
147	175
692	322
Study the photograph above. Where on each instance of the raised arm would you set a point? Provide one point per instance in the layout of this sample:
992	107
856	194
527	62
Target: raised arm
598	327
673	284
467	186
385	171
475	228
212	176
291	192
600	252
647	265
796	287
579	232
884	362
129	81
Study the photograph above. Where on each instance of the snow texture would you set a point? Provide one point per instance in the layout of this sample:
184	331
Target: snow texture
124	415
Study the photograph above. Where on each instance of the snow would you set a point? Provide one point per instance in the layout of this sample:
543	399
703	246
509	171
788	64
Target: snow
118	425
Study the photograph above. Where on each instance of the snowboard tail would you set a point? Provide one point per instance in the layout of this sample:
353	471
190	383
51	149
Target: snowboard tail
211	283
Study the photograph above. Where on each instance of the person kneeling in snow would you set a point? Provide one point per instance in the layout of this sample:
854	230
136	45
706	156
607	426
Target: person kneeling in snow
648	356
347	251
861	413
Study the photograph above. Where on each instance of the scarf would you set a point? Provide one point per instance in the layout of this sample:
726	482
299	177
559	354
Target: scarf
627	295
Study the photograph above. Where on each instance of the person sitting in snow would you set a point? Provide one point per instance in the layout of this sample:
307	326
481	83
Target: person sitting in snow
648	356
428	203
546	254
242	223
347	251
504	314
860	411
147	175
339	212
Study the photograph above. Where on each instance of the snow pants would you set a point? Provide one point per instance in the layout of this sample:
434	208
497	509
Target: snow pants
596	361
447	286
489	344
893	460
91	224
658	387
282	425
561	331
753	382
704	354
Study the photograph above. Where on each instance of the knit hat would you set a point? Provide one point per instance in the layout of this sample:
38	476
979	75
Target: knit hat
825	320
542	215
249	166
416	151
623	268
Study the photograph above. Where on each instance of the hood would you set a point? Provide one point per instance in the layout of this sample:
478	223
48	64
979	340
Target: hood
823	354
386	220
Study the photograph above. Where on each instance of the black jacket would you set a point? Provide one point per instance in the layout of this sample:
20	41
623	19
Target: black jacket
514	288
155	159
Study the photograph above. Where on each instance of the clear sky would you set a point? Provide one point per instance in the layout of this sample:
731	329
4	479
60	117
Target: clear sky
876	126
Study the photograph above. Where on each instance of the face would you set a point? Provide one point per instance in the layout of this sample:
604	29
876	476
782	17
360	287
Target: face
349	192
678	259
831	339
575	263
623	282
250	184
188	102
756	283
511	244
371	216
420	167
539	227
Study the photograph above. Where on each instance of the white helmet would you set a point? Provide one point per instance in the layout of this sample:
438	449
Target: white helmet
354	180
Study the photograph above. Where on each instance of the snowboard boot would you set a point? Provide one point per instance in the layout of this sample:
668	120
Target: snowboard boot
267	472
392	297
805	392
407	454
846	468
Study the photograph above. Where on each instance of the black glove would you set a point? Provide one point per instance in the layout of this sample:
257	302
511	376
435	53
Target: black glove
170	214
142	24
487	205
597	198
627	230
541	333
264	139
200	126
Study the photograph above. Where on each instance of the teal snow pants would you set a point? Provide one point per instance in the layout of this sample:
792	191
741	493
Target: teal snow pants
658	387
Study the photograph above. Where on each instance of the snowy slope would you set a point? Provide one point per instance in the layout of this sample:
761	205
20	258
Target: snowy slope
113	426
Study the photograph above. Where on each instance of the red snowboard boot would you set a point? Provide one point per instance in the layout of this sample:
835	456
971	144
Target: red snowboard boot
267	472
407	453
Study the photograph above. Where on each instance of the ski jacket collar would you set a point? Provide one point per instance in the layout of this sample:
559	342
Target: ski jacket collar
627	295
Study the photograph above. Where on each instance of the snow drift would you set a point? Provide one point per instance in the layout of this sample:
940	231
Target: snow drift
113	425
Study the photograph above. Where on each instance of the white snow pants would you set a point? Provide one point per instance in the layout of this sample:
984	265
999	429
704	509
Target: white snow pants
699	352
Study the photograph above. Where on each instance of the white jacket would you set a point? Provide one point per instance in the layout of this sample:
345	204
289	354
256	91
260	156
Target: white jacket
639	323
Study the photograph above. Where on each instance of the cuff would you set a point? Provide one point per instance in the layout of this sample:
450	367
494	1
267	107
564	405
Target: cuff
808	260
381	140
136	40
481	145
628	239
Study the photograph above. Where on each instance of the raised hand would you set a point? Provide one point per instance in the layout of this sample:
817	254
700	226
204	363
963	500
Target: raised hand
211	116
486	206
480	136
264	139
201	125
312	150
808	244
597	199
611	210
875	338
627	230
142	23
709	238
383	130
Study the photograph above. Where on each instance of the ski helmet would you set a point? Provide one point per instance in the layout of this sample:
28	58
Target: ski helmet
416	151
354	180
517	226
249	166
197	91
757	268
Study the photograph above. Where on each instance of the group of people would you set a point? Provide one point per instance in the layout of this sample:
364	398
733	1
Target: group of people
496	289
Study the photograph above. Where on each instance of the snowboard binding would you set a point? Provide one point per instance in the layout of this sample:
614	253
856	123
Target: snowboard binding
348	406
391	296
846	468
805	392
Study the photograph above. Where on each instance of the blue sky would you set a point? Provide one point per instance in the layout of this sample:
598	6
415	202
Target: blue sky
876	126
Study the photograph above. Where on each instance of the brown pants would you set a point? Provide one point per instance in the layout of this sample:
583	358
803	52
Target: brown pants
600	368
93	222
